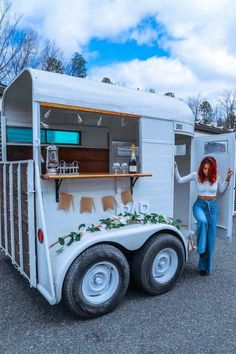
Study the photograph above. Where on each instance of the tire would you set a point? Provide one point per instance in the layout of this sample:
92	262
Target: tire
157	265
96	281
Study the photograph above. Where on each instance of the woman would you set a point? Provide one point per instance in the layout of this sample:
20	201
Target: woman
205	208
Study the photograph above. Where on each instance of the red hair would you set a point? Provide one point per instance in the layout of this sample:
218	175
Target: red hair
212	169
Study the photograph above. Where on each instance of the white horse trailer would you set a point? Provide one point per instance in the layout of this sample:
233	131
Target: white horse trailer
95	124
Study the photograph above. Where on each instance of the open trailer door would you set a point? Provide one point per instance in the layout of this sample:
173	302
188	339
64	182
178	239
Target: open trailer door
222	148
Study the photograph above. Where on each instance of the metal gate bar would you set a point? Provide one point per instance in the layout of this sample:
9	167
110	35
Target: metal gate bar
8	209
31	222
15	214
1	207
20	218
25	218
11	213
5	209
17	219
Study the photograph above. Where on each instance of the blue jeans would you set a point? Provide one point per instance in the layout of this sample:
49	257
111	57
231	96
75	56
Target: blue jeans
206	214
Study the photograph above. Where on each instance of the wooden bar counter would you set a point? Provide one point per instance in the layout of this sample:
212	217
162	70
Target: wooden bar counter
60	177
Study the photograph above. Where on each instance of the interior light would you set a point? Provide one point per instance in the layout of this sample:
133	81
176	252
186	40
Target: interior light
47	114
99	122
79	118
44	125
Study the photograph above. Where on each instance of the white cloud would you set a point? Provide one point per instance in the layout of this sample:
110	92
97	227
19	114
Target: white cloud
161	74
73	23
144	36
199	37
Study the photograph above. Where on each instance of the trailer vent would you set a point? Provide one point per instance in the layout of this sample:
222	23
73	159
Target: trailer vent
179	126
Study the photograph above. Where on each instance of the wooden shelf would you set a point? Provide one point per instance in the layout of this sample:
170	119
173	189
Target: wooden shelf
59	178
95	175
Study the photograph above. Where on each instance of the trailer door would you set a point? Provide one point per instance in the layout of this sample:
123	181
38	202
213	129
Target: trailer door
222	148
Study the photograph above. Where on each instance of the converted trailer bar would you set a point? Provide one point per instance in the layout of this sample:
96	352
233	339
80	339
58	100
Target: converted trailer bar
89	261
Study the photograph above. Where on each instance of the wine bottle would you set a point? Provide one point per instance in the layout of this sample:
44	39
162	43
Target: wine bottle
133	161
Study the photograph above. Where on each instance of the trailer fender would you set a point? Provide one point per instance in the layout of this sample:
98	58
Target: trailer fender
130	237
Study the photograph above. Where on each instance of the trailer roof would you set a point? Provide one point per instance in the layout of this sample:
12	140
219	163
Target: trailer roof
68	90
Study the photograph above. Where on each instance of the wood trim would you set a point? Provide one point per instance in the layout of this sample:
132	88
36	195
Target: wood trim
86	109
96	175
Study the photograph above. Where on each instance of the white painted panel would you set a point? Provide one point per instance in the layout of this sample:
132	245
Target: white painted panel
158	189
60	222
157	129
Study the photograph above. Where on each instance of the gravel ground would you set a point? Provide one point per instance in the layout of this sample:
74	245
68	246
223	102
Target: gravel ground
197	316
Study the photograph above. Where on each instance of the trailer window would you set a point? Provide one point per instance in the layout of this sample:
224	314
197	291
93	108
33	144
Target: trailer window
47	136
216	147
63	137
22	135
180	150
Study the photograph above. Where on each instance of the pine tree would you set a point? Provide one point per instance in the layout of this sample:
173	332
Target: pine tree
77	66
152	90
206	112
170	94
107	80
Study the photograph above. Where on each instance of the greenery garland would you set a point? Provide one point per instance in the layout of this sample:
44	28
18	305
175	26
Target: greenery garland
116	222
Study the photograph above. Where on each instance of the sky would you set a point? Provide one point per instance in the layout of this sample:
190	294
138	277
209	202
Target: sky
183	46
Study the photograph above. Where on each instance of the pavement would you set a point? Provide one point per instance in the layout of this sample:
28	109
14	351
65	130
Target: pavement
197	316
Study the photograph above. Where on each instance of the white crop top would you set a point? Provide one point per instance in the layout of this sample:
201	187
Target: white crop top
205	188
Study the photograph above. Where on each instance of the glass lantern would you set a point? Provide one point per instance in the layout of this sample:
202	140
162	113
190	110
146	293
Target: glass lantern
52	161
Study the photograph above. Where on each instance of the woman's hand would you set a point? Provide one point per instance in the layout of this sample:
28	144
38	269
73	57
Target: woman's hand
229	174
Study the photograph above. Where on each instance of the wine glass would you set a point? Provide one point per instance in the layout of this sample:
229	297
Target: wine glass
124	167
116	167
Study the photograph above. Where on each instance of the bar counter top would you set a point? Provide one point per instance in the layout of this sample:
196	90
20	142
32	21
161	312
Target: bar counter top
94	175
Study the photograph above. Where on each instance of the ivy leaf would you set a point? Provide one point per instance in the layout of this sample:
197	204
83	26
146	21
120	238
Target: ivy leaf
81	225
178	221
77	237
61	241
59	250
161	218
71	241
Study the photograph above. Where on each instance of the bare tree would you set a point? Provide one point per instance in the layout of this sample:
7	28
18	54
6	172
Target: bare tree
229	122
51	54
228	102
217	116
21	48
28	53
228	107
8	35
194	104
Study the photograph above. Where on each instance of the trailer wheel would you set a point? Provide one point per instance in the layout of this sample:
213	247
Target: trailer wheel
156	266
96	281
